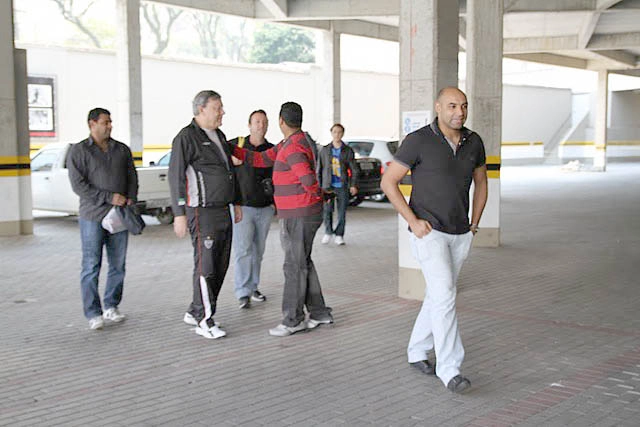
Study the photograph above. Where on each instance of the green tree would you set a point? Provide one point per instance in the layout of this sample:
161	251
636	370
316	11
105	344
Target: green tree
71	13
274	44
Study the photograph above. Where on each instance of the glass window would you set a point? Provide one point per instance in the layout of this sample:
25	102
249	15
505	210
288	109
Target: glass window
361	148
43	161
164	160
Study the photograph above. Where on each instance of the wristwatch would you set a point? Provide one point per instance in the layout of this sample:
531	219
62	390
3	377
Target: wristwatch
473	228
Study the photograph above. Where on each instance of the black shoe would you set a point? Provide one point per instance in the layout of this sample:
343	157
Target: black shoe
459	384
425	366
257	296
244	302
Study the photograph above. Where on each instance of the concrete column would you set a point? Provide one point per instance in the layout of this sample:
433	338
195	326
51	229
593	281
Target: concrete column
600	131
331	82
484	93
428	61
15	185
128	127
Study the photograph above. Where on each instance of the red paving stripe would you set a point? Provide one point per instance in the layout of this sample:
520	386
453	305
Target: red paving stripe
550	396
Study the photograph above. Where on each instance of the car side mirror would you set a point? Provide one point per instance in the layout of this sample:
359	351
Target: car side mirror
152	163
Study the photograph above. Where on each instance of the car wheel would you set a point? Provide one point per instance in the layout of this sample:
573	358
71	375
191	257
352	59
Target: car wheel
379	197
165	217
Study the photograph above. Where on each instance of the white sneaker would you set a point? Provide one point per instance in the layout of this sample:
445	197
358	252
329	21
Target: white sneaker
189	319
113	315
284	331
96	323
314	323
326	238
339	240
212	333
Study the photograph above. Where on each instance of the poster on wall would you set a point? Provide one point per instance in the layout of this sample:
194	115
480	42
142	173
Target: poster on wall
41	101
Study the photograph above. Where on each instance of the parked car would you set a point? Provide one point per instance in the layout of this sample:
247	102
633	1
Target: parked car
381	149
51	188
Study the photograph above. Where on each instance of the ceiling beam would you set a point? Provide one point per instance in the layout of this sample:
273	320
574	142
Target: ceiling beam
551	59
244	8
614	41
589	26
549	6
606	4
614	59
277	8
344	9
353	27
539	44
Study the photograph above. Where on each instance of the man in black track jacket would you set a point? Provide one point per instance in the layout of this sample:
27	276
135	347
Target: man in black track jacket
203	185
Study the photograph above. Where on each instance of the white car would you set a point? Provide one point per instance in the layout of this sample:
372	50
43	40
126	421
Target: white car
381	149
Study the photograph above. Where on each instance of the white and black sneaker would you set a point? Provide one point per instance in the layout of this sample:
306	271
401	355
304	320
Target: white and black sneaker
189	319
244	302
211	333
257	296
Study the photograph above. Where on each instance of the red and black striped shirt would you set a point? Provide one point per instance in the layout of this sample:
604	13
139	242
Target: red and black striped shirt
296	190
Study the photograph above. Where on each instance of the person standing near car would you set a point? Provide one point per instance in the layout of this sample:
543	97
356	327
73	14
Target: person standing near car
203	185
337	174
250	235
102	173
443	157
298	199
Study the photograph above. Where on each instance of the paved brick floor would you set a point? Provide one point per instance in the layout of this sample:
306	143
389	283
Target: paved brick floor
550	322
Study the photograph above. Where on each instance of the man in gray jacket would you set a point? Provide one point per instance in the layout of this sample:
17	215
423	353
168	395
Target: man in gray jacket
337	175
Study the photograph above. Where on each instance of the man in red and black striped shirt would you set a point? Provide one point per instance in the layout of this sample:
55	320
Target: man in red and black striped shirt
298	199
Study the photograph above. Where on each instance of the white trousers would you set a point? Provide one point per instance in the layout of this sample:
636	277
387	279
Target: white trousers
440	256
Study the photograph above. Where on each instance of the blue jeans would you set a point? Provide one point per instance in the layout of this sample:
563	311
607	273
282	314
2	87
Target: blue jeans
249	237
342	200
93	237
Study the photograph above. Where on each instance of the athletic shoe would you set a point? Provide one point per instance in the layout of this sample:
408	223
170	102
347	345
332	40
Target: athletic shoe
425	366
339	240
326	238
113	315
189	319
96	323
459	384
283	331
314	323
244	302
257	296
212	333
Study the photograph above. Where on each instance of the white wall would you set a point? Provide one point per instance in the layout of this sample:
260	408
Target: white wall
87	79
533	113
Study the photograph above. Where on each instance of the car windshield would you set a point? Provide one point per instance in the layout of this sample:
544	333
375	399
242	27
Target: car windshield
361	148
164	160
393	147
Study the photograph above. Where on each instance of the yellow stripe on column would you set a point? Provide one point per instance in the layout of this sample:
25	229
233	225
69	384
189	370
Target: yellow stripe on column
15	166
493	167
137	158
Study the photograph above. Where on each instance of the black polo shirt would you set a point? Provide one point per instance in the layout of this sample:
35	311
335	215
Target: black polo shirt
440	178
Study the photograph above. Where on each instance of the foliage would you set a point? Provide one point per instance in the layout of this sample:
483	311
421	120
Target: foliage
274	44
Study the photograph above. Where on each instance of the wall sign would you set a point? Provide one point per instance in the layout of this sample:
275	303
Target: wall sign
41	101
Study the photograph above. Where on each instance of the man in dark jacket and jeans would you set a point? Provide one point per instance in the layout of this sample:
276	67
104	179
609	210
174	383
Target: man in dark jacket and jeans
337	174
203	184
102	173
250	235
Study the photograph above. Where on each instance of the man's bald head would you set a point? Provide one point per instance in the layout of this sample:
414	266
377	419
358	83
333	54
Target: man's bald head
451	108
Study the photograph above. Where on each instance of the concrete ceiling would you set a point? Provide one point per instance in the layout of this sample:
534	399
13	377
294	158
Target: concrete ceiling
587	34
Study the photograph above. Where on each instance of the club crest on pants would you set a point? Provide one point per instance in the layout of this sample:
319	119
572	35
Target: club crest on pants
208	243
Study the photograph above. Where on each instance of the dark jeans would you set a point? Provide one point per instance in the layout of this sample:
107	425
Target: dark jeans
342	200
211	233
301	283
93	238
